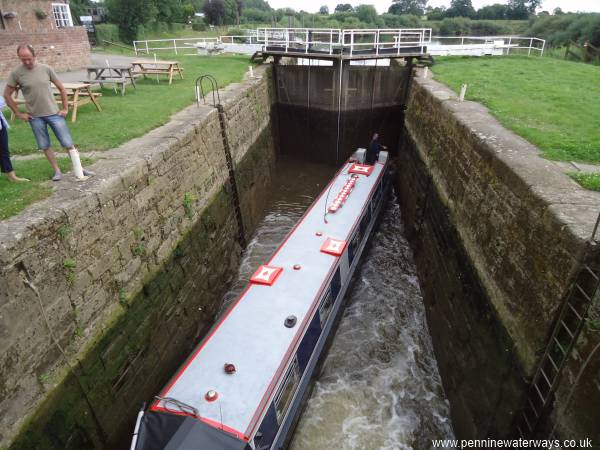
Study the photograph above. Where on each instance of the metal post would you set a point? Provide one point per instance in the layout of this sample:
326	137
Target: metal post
399	40
351	44
337	148
135	47
330	41
543	45
377	42
175	46
307	38
147	50
509	42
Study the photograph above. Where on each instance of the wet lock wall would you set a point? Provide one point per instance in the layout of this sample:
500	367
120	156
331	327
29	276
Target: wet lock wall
482	377
325	119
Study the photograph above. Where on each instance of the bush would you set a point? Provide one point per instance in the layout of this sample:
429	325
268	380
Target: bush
107	32
199	25
455	26
560	29
488	28
404	21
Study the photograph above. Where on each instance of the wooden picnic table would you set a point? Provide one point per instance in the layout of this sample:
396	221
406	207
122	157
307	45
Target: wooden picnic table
119	75
78	95
158	67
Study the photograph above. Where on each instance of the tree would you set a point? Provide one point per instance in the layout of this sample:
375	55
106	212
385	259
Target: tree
522	9
460	8
214	11
344	7
496	11
437	13
324	10
129	15
167	11
79	8
414	7
557	11
258	4
366	13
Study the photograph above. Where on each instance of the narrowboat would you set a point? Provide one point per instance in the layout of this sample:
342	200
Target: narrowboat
244	385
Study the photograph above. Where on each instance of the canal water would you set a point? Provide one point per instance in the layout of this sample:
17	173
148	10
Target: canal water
379	387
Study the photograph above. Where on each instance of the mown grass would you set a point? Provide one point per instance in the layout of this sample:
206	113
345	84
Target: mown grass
121	119
141	109
587	180
14	197
552	103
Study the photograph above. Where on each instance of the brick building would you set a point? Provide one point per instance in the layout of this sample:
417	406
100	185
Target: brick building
48	26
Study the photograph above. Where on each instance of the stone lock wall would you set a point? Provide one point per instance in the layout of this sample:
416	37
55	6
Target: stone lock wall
500	232
108	285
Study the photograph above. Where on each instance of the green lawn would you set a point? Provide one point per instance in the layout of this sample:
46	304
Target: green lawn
552	103
121	119
14	197
587	180
140	110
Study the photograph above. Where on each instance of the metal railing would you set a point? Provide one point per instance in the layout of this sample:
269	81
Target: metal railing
300	39
153	45
352	42
485	45
386	41
250	39
332	41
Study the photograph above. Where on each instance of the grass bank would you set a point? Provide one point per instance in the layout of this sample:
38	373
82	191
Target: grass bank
589	181
14	197
121	119
140	110
552	103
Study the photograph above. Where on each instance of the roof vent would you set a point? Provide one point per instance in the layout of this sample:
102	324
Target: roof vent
211	396
290	321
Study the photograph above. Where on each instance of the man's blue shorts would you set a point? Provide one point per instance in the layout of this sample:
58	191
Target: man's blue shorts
39	125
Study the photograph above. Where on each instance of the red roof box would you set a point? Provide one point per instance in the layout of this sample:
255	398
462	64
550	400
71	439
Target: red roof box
361	169
333	247
266	275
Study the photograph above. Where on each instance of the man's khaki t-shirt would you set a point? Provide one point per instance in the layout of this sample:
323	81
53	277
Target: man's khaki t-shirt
35	85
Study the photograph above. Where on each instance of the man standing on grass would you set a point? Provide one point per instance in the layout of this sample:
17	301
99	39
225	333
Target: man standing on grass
34	81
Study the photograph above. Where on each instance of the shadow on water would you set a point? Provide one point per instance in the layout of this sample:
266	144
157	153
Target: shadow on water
379	387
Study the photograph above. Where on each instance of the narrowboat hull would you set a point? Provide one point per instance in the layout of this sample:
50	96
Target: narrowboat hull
260	410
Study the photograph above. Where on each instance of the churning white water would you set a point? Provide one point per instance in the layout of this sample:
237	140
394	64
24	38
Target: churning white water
379	387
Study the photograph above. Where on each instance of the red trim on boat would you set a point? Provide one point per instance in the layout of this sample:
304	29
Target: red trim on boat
302	330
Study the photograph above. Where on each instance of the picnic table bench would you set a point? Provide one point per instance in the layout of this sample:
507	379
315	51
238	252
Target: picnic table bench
150	67
78	94
118	75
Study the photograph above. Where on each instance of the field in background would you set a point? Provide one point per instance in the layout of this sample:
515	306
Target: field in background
552	103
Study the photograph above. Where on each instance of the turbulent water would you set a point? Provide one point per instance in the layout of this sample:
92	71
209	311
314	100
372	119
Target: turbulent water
379	387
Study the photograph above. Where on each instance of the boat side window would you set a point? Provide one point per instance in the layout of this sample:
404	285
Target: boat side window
377	194
364	222
353	246
336	284
286	391
325	307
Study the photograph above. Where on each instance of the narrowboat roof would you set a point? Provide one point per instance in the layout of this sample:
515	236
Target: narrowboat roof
252	335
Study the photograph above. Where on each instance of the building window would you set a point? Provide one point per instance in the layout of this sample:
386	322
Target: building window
62	15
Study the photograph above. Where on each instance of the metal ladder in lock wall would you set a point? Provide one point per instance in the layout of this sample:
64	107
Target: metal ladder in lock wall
569	323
